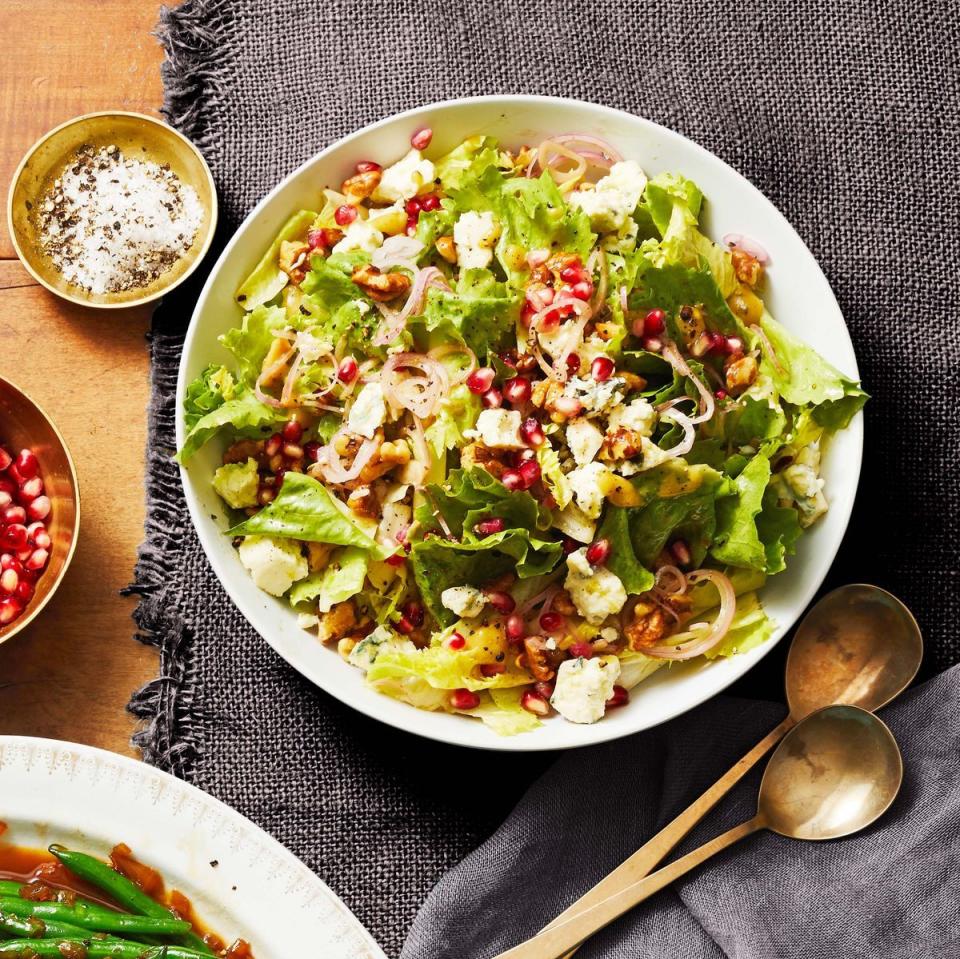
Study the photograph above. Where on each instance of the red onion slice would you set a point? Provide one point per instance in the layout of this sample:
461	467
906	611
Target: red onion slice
749	246
768	348
690	648
607	150
332	468
394	322
689	433
419	394
269	372
672	355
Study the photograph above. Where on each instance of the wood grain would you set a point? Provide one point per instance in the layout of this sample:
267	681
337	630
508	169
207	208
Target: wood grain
70	674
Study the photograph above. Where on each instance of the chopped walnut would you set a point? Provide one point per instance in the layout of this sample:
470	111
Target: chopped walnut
545	394
563	604
363	502
650	623
631	382
741	373
476	454
748	268
621	444
336	624
446	248
243	450
502	584
381	286
361	185
538	658
394	453
294	259
317	556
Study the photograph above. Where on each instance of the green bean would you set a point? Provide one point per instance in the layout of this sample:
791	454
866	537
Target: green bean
91	949
122	890
96	918
8	887
12	888
15	927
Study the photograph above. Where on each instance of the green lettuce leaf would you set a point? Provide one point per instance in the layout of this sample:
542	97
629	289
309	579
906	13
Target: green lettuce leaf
666	191
623	559
458	412
243	413
737	541
250	341
779	529
751	626
209	391
341	579
267	279
304	509
502	711
466	164
805	377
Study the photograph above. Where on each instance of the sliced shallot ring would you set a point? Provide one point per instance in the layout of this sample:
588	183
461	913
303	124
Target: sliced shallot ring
394	322
689	433
748	246
678	577
712	634
439	352
564	179
606	149
330	465
768	348
672	355
270	371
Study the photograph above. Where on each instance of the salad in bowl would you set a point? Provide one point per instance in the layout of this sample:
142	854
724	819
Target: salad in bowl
511	433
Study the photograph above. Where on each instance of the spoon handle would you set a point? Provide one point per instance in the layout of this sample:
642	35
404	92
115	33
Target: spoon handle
656	848
556	940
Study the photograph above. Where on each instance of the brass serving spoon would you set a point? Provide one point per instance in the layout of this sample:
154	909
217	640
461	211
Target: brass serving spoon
858	645
833	775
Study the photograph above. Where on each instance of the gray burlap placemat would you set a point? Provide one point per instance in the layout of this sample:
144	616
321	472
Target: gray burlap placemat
845	115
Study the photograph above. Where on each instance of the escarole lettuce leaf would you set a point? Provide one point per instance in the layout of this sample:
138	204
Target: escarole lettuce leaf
458	413
214	401
267	279
250	342
304	509
341	579
802	376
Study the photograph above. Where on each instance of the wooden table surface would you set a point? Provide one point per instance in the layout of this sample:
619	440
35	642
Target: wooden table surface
71	673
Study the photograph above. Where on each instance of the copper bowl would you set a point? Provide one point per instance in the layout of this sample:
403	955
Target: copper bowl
24	424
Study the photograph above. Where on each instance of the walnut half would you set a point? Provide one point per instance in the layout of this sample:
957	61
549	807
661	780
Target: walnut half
381	286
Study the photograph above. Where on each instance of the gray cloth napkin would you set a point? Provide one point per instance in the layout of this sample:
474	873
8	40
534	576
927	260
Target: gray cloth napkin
845	115
890	892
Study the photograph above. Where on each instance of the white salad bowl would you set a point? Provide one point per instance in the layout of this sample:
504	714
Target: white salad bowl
797	294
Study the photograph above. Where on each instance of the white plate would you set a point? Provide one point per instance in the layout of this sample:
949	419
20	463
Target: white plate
799	297
89	799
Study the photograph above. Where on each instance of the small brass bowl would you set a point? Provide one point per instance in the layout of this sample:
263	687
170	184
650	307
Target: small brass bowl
137	136
24	424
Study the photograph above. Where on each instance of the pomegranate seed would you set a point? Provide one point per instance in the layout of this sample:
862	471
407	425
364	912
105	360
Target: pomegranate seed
411	226
10	609
551	622
293	451
38	559
534	703
720	394
26	463
412	206
456	641
367	166
601	369
464	699
273	445
14	514
398	559
654	322
413	611
14	474
9	581
681	552
7	485
531	432
581	651
734	345
5	459
480	380
429	202
315	239
403	625
598	552
530	471
421	139
541	297
347	371
516	627
572	273
345	215
512	480
502	602
620	697
582	290
527	314
544	689
292	431
517	390
38	535
9	561
24	592
569	546
652	344
311	450
39	509
15	536
5	499
487	527
568	406
492	669
30	489
573	364
492	399
24	554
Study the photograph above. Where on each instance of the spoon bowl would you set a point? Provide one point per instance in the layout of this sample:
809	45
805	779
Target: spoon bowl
858	645
834	774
